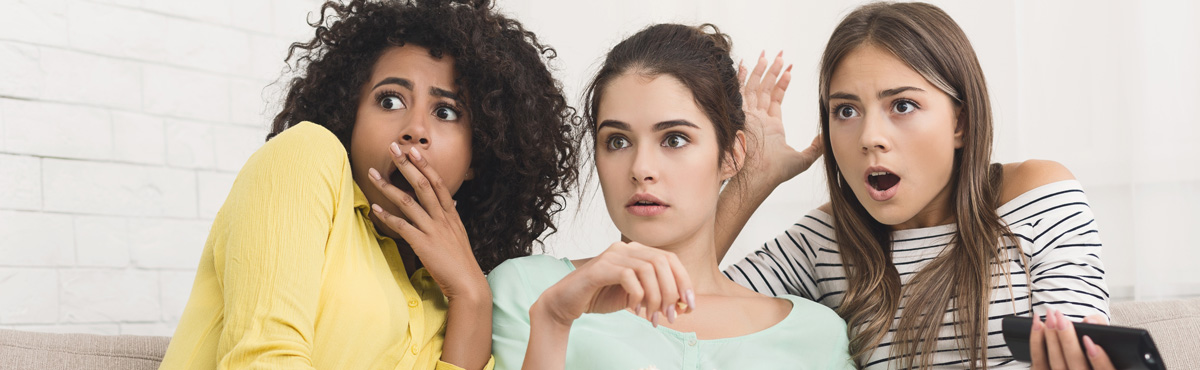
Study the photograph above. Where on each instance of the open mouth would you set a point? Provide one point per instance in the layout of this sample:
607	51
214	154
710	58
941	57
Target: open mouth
645	205
882	184
397	179
883	180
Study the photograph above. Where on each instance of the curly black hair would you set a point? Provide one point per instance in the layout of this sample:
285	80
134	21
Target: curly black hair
523	131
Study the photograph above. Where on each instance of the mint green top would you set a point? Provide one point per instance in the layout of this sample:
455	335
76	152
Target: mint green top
811	337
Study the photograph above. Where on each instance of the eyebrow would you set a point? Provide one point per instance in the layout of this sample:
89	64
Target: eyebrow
657	126
395	81
882	94
439	92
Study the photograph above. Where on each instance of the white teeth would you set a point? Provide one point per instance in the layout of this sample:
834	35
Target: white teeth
880	173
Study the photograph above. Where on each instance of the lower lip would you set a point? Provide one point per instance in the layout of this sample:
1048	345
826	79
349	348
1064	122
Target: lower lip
882	195
646	211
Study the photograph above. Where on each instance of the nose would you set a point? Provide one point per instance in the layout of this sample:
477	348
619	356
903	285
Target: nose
645	167
874	136
416	132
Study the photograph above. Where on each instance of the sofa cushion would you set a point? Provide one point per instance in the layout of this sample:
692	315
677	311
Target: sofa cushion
1173	325
28	350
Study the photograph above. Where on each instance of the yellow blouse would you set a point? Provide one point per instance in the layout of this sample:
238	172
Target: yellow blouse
294	275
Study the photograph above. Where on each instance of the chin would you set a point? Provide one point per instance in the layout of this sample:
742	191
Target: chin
648	234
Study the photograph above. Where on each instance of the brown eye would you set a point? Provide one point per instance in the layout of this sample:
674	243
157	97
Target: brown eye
446	114
845	112
904	107
617	142
675	141
391	102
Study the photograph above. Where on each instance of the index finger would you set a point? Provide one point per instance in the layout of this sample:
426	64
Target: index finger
1037	344
441	195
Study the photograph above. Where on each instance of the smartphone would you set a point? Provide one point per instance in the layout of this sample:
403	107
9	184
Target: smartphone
1128	348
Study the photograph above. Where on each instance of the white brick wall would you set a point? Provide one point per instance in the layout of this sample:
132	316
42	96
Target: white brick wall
122	126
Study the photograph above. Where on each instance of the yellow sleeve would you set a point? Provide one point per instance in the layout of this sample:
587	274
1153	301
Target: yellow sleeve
270	239
442	365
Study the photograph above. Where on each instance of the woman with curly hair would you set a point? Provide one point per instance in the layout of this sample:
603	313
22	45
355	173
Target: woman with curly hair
665	115
421	144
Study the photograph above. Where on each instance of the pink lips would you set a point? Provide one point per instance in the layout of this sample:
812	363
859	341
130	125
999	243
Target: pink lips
876	194
645	205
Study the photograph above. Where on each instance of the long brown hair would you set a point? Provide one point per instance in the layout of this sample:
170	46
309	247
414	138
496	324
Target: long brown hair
959	281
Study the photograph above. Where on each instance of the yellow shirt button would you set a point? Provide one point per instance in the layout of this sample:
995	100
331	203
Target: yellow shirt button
414	349
412	302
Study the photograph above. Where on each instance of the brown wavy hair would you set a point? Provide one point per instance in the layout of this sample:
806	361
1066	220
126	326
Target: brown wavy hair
696	56
522	128
959	281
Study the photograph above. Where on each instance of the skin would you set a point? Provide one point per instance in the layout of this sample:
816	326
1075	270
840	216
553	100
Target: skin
411	133
914	133
670	258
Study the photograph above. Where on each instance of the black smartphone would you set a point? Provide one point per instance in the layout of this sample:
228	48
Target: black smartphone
1128	348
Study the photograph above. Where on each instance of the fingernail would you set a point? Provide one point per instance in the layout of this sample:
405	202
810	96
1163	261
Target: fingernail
374	174
377	208
1091	346
396	150
1050	319
416	154
1062	321
691	299
671	314
789	68
654	319
780	54
764	54
638	310
1036	322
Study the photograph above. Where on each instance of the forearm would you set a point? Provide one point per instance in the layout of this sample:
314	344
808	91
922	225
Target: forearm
469	330
739	200
547	340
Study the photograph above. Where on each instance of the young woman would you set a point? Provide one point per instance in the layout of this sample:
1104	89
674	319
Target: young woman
665	116
422	144
924	245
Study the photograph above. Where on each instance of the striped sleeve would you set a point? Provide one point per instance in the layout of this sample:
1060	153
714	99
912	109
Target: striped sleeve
1056	224
786	264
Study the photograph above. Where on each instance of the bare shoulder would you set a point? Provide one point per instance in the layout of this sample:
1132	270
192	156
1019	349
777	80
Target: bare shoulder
1021	177
827	208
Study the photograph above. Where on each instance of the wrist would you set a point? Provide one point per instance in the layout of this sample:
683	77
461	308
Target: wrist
474	291
549	315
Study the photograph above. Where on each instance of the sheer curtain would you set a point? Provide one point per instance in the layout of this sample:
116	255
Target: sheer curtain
1108	88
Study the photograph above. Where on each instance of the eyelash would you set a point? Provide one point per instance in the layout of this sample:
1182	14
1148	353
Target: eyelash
379	96
836	112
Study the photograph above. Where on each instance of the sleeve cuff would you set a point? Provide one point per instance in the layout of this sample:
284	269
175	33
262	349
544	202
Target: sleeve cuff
442	365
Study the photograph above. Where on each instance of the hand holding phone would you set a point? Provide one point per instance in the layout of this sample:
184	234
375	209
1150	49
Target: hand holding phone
1127	348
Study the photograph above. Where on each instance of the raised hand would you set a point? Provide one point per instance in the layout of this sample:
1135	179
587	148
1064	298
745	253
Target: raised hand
769	156
431	225
626	276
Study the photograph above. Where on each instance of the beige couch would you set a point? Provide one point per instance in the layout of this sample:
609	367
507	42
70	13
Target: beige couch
1175	326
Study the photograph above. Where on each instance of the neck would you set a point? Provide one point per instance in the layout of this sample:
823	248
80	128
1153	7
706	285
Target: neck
698	255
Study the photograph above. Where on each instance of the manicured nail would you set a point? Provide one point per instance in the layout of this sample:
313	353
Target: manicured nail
374	174
1050	318
764	54
690	296
377	208
1062	321
671	314
789	68
1037	323
638	310
780	54
416	154
396	150
1091	347
654	319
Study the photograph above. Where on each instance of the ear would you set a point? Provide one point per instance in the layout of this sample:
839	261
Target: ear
958	127
735	158
470	174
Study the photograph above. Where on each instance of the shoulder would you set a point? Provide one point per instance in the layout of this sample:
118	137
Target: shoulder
302	154
304	140
529	271
1022	177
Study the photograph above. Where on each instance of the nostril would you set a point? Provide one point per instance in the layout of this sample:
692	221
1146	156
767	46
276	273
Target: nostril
407	137
424	141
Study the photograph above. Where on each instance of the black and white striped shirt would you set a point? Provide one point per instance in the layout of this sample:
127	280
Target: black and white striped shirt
1055	229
